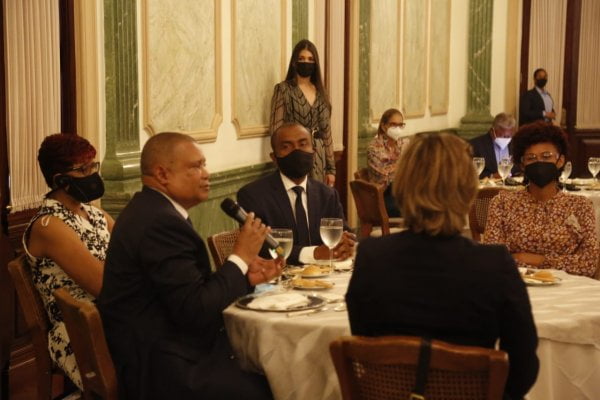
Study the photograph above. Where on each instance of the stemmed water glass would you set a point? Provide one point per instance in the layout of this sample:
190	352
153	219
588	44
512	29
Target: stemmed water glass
504	167
331	233
564	175
285	237
594	166
479	163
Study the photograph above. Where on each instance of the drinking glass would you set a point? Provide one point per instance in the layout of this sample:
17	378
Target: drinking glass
504	167
594	166
285	237
479	163
566	172
331	233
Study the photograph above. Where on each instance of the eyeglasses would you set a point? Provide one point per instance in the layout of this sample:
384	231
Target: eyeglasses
398	125
545	156
86	169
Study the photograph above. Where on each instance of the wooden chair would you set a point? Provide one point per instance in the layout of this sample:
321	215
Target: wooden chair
86	335
38	325
221	245
384	368
370	207
479	211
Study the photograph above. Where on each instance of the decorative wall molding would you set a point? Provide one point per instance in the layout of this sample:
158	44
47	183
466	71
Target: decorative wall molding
414	58
258	62
439	56
181	74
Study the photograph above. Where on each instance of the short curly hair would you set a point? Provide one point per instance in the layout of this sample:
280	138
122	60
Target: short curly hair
60	152
538	132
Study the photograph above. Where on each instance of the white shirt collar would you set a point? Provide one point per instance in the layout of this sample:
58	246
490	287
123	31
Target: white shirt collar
288	184
177	206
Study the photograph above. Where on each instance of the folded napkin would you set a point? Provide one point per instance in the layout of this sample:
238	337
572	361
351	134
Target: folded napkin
332	297
284	301
342	265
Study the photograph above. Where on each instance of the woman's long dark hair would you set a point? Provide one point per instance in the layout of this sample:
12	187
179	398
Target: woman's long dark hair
315	78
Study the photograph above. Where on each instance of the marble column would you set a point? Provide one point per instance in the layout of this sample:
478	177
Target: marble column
299	21
120	167
478	118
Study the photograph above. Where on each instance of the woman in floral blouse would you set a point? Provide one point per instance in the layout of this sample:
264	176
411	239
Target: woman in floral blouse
542	226
382	154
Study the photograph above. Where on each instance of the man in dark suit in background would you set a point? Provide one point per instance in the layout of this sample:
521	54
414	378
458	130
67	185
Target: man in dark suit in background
160	303
289	198
494	145
536	104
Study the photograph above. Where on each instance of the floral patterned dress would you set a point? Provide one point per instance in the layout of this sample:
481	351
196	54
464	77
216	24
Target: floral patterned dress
562	229
48	276
289	105
382	158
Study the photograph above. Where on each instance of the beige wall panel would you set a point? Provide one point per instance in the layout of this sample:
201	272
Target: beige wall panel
588	85
439	57
384	57
414	58
181	67
257	61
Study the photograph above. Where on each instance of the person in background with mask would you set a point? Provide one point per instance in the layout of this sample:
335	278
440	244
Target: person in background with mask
537	104
66	241
301	98
542	226
383	152
494	145
289	198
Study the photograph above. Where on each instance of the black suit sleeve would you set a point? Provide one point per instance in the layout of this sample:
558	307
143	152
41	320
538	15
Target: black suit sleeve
194	297
529	109
518	335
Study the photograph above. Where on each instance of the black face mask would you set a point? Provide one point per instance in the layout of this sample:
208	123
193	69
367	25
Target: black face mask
541	82
541	173
85	189
296	165
305	69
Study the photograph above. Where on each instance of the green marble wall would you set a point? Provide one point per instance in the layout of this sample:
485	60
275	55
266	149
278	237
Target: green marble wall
299	21
365	131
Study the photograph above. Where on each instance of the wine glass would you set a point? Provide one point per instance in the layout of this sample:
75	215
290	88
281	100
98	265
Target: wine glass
566	172
331	233
504	167
479	163
594	166
285	237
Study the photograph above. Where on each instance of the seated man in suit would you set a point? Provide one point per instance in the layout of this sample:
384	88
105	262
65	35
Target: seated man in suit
160	303
537	104
493	145
288	198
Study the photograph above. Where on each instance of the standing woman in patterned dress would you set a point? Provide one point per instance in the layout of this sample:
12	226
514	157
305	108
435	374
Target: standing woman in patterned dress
301	98
66	240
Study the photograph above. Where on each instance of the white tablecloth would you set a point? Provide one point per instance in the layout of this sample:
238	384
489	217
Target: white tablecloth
294	352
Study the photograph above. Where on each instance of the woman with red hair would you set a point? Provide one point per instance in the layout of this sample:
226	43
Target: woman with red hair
66	240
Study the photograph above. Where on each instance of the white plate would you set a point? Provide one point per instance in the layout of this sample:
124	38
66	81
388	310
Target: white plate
313	303
535	282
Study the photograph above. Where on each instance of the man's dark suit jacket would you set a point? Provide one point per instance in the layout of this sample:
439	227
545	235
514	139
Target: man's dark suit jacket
531	107
446	288
269	201
162	307
483	146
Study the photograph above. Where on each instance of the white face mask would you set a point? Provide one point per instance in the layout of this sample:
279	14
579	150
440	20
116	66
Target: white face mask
395	132
502	142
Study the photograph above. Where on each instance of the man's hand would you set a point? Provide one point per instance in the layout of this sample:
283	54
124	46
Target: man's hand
535	260
261	270
343	250
252	236
330	180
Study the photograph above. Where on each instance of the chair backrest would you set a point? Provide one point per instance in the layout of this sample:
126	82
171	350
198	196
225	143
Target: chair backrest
37	323
384	368
221	245
362	173
479	211
370	207
86	336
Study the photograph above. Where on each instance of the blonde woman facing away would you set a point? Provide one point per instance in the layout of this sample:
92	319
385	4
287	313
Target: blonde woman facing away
431	281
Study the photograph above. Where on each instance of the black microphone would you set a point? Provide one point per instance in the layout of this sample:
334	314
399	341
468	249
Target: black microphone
235	211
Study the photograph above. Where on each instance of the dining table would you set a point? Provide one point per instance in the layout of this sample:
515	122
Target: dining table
293	351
